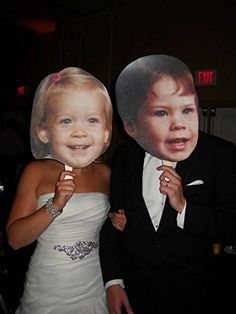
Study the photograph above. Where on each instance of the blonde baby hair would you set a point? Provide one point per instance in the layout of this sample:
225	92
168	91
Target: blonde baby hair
68	78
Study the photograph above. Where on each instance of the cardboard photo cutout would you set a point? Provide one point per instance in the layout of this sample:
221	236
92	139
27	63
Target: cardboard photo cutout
71	119
157	102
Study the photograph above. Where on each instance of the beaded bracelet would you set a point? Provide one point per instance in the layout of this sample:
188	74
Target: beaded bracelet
51	210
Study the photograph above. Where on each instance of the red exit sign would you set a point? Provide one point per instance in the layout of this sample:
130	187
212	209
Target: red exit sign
205	77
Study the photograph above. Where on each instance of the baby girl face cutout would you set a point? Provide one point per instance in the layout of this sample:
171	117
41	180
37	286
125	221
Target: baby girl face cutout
158	105
75	126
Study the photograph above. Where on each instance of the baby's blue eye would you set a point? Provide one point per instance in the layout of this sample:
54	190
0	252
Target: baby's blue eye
65	121
93	120
160	113
187	110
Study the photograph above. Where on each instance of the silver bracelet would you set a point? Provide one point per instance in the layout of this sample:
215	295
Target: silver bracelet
51	210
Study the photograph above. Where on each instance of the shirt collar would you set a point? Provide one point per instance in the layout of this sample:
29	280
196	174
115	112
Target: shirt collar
148	157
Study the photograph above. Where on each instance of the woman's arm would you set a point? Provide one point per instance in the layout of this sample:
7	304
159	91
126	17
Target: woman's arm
25	223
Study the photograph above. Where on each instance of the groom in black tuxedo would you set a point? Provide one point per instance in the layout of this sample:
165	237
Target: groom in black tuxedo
177	186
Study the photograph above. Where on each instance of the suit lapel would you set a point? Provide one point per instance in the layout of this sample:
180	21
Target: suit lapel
183	168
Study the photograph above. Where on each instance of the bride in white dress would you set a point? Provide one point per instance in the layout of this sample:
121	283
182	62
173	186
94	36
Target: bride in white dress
64	209
64	274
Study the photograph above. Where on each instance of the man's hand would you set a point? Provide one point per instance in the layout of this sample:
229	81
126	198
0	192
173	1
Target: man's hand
171	185
116	298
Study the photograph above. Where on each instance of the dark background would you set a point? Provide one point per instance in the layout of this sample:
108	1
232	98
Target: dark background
102	37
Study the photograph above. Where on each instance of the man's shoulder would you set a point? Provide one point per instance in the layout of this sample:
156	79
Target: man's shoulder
215	141
127	153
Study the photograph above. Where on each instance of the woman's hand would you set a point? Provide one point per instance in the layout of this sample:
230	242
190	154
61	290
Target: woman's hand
64	190
118	219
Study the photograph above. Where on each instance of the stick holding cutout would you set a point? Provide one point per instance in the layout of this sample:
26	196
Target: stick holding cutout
168	163
68	168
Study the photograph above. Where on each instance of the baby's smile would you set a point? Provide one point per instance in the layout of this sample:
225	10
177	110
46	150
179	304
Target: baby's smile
79	147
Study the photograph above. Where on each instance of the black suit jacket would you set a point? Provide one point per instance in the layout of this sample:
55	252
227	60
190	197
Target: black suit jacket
170	263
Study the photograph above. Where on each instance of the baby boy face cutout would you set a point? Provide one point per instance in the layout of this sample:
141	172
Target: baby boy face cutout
158	105
71	118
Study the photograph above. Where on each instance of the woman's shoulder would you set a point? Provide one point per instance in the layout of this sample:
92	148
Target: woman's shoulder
42	166
102	172
102	168
40	175
38	163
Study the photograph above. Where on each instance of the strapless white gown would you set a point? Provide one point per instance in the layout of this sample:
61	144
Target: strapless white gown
64	274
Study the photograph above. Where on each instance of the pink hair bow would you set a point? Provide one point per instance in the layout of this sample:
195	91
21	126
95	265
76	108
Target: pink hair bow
56	77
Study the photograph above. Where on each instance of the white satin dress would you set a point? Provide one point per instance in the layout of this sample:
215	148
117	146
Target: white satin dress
64	274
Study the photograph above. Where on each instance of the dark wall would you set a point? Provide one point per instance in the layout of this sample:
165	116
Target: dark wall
202	36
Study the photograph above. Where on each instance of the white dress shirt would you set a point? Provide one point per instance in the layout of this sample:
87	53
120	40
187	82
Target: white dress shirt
154	199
